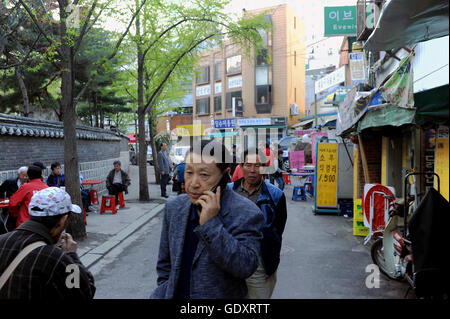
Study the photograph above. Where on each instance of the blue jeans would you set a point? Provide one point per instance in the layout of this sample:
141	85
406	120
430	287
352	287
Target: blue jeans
280	182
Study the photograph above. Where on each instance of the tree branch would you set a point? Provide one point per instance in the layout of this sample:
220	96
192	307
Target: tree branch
25	57
84	28
36	23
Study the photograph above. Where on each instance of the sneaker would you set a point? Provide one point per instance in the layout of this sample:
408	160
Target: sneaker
165	196
117	206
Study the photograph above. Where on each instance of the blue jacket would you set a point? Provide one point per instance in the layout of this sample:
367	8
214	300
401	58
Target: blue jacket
52	180
272	203
227	251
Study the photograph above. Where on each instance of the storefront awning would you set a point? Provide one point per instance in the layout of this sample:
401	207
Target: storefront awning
432	106
406	22
386	115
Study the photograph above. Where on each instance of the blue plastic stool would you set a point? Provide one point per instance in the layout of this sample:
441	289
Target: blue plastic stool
302	189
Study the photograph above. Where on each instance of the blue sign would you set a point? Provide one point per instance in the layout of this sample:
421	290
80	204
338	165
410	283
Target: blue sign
224	123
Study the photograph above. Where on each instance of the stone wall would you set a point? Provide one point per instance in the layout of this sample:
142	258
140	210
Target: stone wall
26	140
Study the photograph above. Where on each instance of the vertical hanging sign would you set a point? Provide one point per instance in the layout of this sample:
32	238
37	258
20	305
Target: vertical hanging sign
327	175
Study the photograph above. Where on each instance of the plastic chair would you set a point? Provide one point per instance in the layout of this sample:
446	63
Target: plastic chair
94	197
108	204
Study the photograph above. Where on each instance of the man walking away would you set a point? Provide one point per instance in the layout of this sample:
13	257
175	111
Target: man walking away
272	202
18	203
117	181
164	169
48	272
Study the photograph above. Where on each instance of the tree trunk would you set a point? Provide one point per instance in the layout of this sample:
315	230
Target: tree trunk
23	89
142	156
76	225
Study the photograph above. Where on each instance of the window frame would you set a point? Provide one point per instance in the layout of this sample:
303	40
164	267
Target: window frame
208	106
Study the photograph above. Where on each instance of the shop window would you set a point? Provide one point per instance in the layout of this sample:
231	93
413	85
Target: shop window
203	76
234	64
229	100
202	106
217	104
263	95
218	71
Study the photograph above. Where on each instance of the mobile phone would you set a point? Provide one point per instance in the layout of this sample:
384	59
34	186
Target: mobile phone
222	183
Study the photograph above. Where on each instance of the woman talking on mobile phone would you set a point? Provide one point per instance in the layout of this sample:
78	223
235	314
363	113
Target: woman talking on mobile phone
210	236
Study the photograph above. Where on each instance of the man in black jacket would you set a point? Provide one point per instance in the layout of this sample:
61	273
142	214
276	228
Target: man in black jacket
51	271
117	181
7	189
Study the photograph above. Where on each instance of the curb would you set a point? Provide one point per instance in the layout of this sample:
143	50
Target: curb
94	255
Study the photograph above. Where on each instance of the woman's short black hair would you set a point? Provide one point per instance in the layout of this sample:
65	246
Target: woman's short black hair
34	172
55	165
215	149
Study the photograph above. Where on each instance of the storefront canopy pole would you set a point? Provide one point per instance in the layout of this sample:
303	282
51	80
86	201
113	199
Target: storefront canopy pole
349	157
362	153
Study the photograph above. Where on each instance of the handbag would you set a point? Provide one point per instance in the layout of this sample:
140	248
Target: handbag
176	187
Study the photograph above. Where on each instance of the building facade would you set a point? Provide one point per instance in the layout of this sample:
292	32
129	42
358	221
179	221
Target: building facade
267	93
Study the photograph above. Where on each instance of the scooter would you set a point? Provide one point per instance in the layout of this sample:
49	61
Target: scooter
392	251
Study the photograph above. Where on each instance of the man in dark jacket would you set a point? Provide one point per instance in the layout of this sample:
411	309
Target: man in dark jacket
51	271
164	169
272	202
7	189
117	181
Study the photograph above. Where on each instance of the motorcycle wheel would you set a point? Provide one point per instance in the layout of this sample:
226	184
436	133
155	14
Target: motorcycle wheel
376	252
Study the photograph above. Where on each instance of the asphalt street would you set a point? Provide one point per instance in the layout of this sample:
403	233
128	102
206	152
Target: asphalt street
320	258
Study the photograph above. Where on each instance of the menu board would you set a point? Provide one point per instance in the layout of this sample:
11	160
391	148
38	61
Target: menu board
327	175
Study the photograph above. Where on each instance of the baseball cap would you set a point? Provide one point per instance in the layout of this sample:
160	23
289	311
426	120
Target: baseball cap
39	164
52	201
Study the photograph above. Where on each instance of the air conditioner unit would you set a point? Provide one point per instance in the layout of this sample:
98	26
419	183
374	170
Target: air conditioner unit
294	109
367	12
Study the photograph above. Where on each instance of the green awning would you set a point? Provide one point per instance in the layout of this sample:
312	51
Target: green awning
386	115
432	106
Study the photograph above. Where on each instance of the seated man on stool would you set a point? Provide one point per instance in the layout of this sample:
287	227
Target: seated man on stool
117	181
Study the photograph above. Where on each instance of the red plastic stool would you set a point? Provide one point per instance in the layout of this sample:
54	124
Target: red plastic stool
121	200
94	197
108	204
85	220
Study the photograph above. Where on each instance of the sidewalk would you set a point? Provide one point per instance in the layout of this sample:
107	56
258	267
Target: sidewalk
104	232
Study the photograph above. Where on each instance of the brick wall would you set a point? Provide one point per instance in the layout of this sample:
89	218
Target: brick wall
174	122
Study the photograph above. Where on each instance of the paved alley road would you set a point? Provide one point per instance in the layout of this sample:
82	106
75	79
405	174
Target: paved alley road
320	259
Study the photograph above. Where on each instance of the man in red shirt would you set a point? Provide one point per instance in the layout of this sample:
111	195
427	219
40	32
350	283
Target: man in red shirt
18	203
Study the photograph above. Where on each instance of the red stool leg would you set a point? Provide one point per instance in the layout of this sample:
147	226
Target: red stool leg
108	206
121	200
94	196
113	205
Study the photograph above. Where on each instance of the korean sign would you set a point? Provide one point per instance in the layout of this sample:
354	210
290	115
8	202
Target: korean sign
224	123
330	80
254	121
327	175
340	21
357	67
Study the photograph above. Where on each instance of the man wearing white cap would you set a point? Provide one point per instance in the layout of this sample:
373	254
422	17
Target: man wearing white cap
33	265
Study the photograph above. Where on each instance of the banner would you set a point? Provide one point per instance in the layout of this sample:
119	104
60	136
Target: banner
398	90
357	67
442	160
296	159
327	175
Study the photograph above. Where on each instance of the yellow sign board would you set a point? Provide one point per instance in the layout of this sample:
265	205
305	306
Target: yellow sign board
327	175
442	160
190	130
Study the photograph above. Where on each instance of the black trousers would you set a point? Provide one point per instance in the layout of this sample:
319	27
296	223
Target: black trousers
115	189
163	183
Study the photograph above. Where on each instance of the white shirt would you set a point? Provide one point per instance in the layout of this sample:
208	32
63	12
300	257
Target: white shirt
117	177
